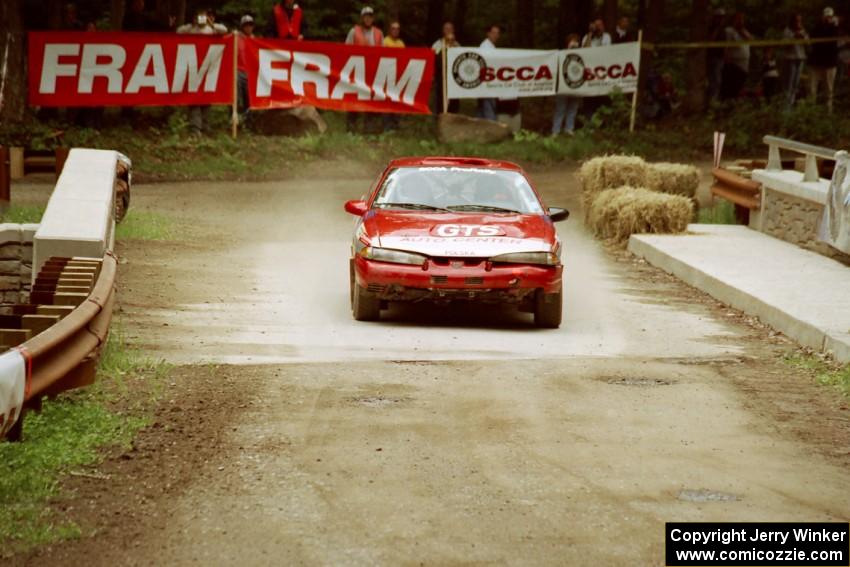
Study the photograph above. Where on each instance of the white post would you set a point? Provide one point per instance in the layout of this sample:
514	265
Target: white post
637	87
774	160
811	173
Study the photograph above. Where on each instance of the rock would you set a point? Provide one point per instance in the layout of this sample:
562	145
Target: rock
457	128
299	121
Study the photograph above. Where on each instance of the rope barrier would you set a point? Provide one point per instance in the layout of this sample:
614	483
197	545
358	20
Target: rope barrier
752	42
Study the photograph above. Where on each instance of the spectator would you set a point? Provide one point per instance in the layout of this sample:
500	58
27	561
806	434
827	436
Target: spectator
365	34
447	40
795	58
201	25
246	30
136	19
219	29
393	39
566	106
596	35
714	55
823	62
71	18
487	106
736	67
770	83
287	21
622	31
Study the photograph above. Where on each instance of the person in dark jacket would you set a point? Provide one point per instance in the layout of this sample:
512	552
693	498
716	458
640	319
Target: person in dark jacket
823	60
136	19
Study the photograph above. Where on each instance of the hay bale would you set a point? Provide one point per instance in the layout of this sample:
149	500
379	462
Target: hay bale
673	178
610	172
615	214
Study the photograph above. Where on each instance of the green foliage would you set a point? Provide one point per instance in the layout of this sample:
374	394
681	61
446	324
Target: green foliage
145	225
721	212
22	214
67	436
824	373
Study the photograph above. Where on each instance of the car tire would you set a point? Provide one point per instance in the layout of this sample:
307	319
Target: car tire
548	309
365	307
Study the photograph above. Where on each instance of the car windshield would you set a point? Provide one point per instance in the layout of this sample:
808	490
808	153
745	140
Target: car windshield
458	189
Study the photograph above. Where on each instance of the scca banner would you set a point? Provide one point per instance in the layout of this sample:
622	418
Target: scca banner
127	69
285	74
595	71
500	73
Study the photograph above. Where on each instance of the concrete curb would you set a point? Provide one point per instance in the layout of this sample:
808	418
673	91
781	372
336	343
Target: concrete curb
804	332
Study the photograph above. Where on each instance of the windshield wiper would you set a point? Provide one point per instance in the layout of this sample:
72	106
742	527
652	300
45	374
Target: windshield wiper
483	208
414	206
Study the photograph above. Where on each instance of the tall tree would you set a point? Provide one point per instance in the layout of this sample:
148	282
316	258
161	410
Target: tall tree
12	78
435	18
573	17
609	14
524	22
460	13
654	14
116	14
696	69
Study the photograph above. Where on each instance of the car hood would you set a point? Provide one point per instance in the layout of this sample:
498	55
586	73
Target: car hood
456	234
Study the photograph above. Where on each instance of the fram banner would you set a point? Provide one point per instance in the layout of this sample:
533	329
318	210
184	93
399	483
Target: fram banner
284	74
128	69
596	71
500	73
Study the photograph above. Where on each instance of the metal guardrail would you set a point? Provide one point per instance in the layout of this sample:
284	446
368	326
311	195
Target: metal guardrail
736	189
812	153
64	356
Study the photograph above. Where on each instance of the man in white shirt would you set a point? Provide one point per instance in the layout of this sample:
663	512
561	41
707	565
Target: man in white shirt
596	36
487	106
736	59
203	24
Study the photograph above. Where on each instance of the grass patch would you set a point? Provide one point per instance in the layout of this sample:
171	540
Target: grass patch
68	435
721	212
145	225
824	373
22	214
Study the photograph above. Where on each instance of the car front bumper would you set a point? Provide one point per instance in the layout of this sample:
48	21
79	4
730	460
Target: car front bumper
458	279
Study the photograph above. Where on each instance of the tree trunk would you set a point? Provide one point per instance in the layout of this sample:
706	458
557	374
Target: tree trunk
392	10
54	14
116	14
12	62
695	72
461	10
609	14
434	21
525	14
654	13
573	17
641	14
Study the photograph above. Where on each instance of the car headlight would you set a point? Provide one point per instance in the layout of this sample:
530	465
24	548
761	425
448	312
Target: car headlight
392	256
545	258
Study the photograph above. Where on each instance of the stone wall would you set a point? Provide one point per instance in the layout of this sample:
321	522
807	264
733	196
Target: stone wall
16	253
795	220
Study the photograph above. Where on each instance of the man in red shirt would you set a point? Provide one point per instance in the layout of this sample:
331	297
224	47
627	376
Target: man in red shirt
287	21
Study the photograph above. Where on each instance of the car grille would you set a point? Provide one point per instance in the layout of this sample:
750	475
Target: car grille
474	281
376	288
439	279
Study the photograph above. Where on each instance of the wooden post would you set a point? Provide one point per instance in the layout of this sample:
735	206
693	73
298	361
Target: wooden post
637	87
61	158
234	119
444	53
5	178
16	162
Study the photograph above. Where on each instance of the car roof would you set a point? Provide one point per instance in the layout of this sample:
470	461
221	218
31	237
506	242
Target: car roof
454	162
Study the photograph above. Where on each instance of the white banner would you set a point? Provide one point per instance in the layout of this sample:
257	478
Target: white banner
500	73
13	384
834	226
599	71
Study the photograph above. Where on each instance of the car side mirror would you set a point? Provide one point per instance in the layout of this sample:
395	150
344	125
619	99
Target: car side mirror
558	214
357	208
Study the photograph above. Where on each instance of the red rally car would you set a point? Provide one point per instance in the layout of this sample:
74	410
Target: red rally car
449	229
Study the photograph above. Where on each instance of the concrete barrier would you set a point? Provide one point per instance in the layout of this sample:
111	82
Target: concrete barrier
79	219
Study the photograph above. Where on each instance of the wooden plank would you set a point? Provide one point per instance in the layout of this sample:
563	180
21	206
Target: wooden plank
38	323
737	197
66	298
14	337
735	181
73	288
59	310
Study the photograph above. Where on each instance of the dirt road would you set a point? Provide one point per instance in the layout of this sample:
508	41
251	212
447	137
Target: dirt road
444	436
